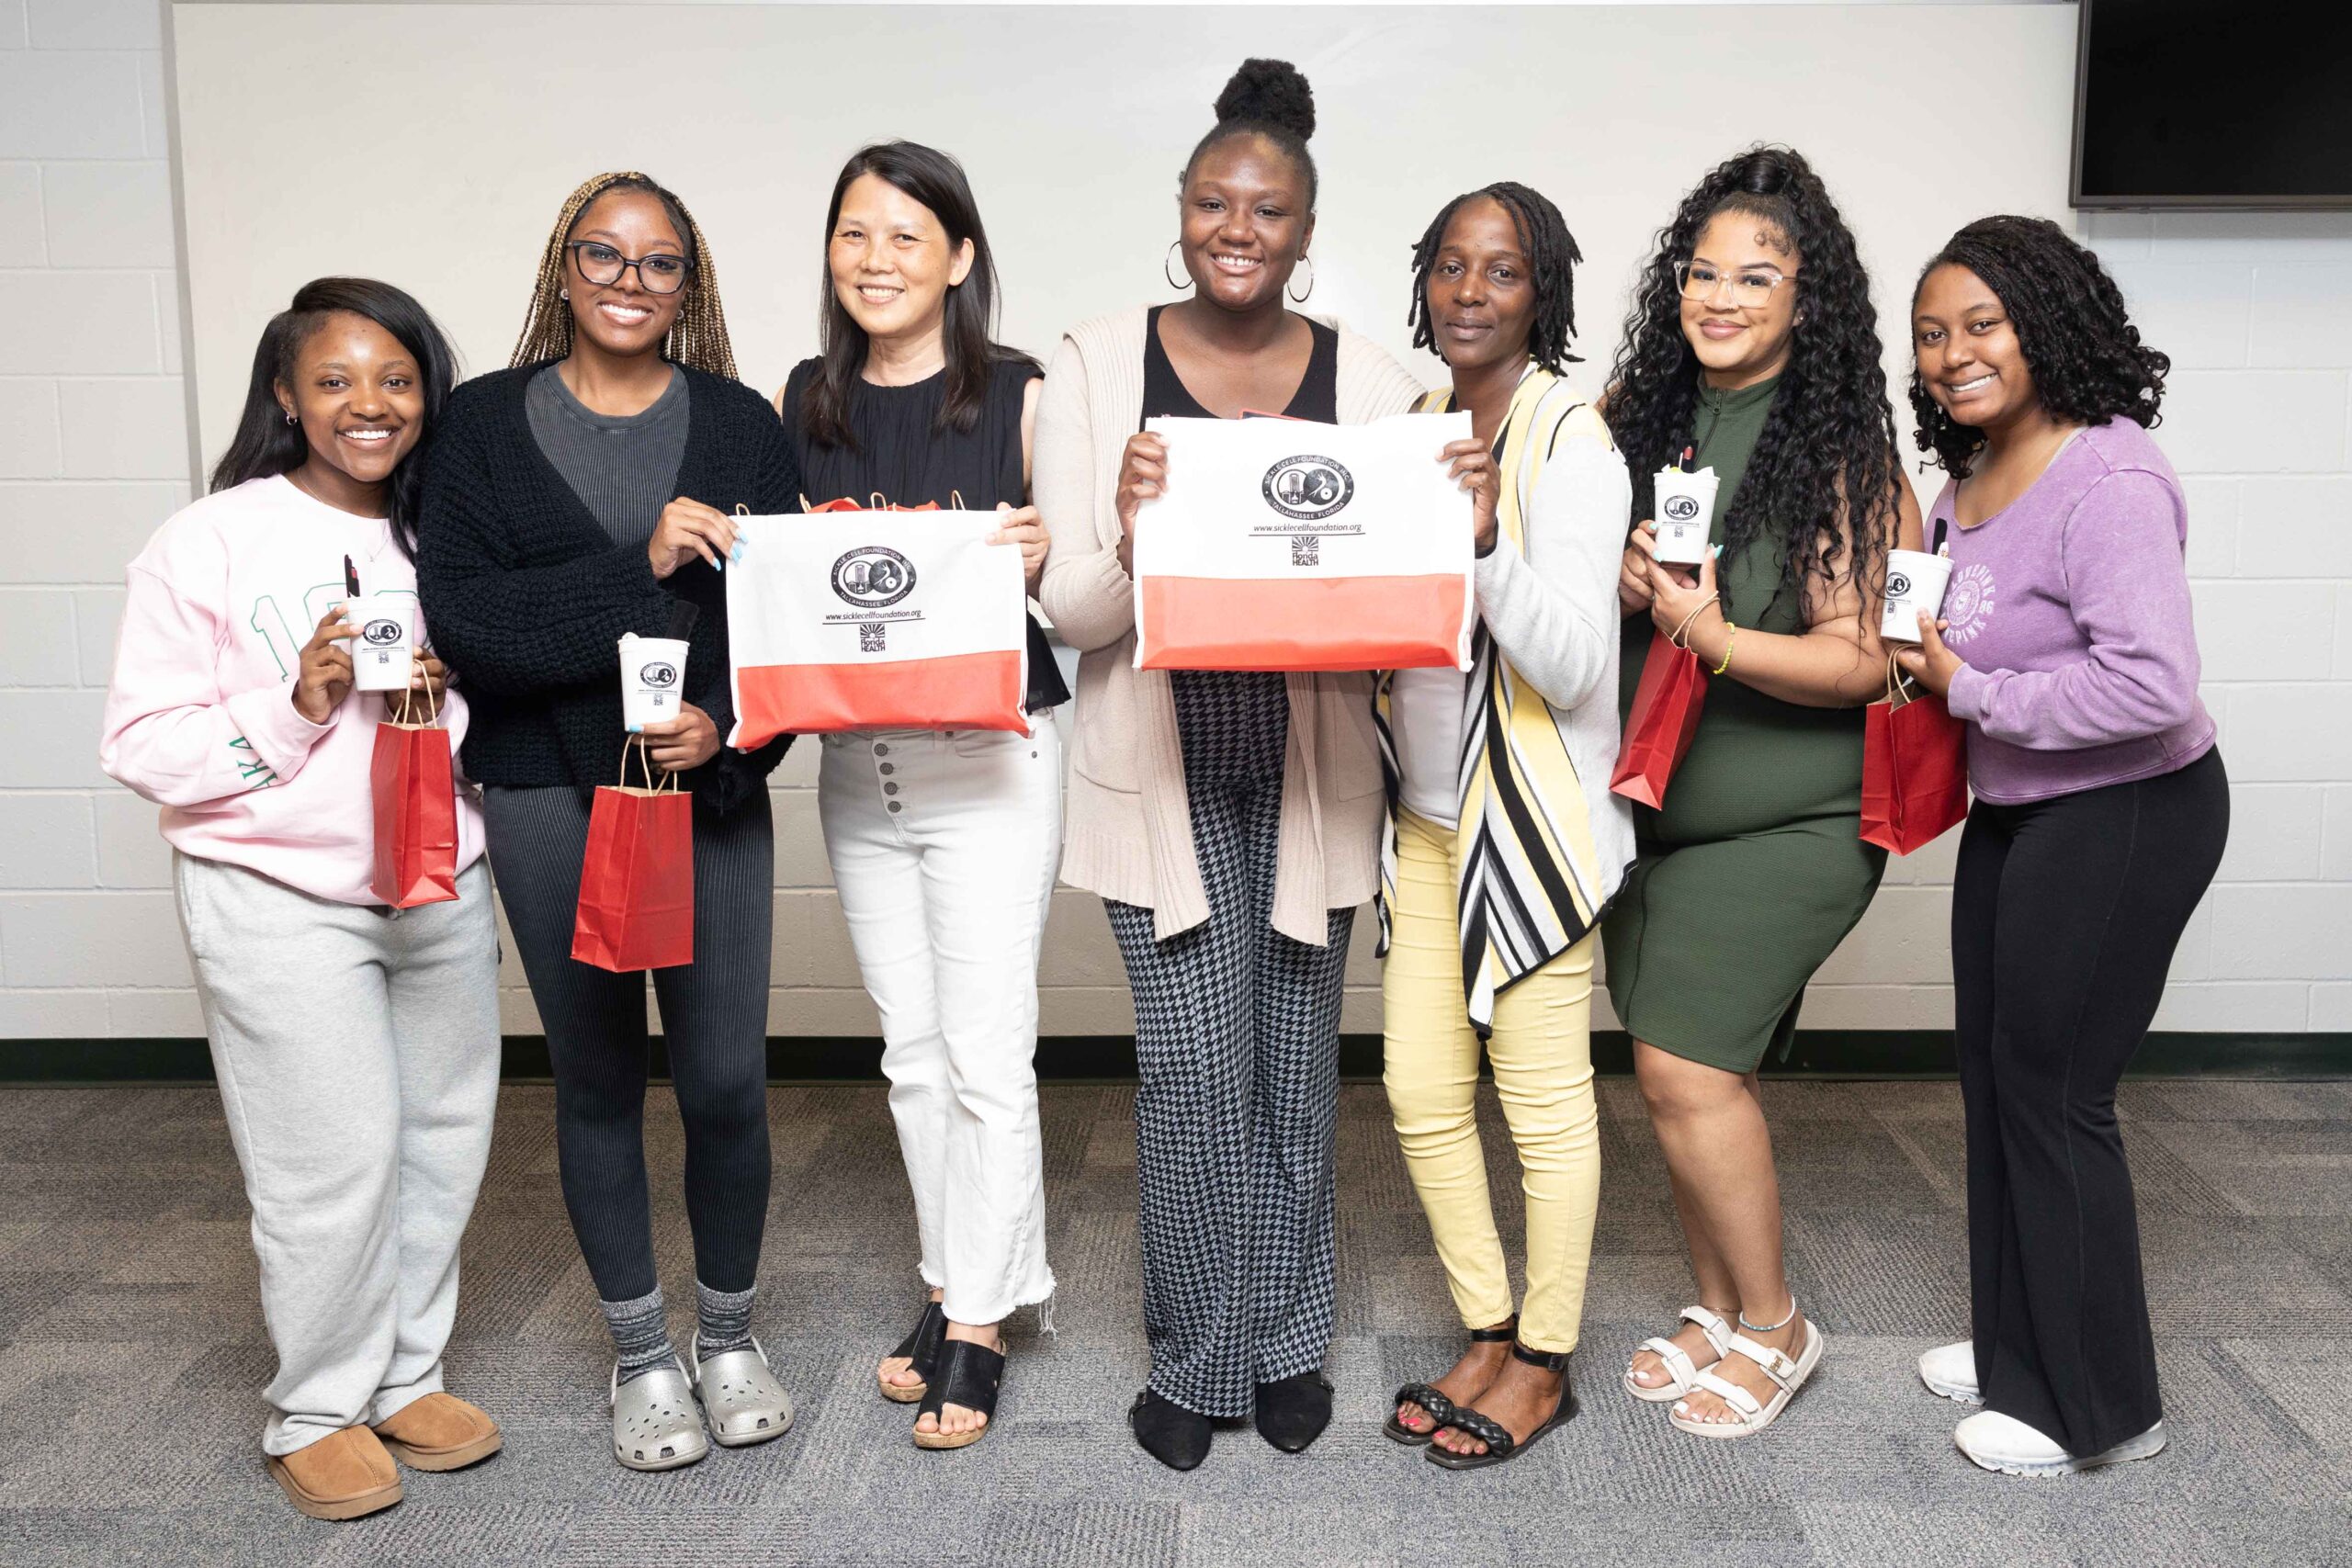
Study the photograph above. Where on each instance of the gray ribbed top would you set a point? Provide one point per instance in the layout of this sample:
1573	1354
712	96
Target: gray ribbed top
623	467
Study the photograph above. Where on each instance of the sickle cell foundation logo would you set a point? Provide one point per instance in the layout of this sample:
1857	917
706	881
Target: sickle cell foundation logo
1898	585
382	632
873	577
1681	508
658	676
1307	487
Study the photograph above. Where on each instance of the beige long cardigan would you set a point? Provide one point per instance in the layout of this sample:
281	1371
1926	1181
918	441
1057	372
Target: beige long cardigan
1129	833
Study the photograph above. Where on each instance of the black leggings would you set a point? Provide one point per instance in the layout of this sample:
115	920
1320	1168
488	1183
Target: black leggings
714	1022
2065	916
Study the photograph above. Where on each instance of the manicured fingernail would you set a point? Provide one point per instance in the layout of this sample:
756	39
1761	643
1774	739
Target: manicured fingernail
637	729
737	553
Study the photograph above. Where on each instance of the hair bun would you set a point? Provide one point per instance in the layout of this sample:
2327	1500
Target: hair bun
1269	92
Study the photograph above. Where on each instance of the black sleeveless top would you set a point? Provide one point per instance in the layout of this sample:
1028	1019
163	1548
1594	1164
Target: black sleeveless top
904	457
1317	397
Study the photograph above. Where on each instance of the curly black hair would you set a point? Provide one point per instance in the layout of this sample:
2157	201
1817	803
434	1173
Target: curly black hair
1269	98
1552	256
1828	450
2088	361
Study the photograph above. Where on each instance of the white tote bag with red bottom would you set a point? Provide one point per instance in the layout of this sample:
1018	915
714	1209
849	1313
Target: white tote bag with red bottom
1284	543
875	620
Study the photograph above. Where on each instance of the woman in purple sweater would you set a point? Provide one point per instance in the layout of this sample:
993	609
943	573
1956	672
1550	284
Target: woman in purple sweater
2101	809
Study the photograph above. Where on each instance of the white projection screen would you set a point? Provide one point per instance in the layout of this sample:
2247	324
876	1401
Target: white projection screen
430	145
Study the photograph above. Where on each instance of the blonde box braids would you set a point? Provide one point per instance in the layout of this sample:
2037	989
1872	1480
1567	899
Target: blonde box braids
697	338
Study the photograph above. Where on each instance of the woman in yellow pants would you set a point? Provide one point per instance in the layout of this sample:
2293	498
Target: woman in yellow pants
1505	843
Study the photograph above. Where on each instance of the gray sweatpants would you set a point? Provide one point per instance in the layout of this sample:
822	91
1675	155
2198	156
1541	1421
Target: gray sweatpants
356	1050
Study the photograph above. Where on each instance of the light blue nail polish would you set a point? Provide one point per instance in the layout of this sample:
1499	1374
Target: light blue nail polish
737	553
637	729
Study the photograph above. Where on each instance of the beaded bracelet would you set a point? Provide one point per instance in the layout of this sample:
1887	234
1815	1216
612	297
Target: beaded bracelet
1727	646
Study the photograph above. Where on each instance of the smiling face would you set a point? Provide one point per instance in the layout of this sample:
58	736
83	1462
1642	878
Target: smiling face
1740	344
361	402
623	318
1481	302
893	262
1245	223
1969	354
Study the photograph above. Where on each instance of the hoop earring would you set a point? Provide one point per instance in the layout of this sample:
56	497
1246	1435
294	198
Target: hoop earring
293	419
563	294
1301	298
1164	272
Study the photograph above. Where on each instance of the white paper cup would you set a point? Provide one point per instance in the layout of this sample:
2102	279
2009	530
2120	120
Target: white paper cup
653	680
1914	582
383	646
1686	513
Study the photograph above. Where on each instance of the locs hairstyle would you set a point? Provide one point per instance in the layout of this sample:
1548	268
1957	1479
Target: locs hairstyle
697	338
265	445
2089	363
1828	448
1268	98
1552	256
937	180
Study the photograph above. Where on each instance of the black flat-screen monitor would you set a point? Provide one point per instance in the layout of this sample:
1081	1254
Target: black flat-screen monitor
2214	104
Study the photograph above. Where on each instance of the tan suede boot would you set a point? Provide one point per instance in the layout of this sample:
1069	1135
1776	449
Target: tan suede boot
341	1476
440	1432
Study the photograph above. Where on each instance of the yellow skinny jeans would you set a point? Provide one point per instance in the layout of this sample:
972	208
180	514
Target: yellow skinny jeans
1542	1051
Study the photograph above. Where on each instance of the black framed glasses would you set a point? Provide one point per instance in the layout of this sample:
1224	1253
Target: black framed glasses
1751	286
602	265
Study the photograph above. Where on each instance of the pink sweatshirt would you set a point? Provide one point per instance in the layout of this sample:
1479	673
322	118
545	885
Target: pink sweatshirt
200	718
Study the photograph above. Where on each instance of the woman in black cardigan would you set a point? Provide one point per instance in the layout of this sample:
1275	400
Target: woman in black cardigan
583	494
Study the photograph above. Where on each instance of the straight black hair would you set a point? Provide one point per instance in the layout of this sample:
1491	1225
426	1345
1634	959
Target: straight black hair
935	180
266	445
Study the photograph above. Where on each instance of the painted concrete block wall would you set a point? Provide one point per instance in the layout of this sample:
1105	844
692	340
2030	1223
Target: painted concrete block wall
2256	310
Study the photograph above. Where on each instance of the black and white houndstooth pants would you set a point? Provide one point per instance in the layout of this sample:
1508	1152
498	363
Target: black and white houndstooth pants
1238	1048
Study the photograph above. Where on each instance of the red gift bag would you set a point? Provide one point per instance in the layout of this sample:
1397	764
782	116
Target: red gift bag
1664	716
636	881
415	792
1915	768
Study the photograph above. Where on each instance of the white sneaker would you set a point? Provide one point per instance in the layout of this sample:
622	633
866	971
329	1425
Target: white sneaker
1951	1371
2004	1443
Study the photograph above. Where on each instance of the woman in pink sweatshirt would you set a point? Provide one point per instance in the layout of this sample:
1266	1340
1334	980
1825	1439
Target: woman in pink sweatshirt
356	1044
2066	644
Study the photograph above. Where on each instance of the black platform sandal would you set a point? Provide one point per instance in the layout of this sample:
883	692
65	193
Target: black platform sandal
1440	1409
921	1348
1500	1444
968	1375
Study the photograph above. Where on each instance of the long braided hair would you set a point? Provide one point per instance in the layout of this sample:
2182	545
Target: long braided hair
2089	363
1552	256
697	338
1828	450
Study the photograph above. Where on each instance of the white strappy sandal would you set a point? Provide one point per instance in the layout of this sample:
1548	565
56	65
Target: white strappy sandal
1786	1371
1681	1371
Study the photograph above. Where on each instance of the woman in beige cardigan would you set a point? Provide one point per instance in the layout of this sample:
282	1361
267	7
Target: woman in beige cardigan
1230	820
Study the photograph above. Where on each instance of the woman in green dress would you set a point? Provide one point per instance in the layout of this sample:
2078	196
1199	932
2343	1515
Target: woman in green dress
1752	343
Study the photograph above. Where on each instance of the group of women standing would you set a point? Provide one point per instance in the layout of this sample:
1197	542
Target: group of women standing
1232	822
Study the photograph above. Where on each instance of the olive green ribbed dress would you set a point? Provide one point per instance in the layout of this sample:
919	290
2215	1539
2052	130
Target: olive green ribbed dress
1755	870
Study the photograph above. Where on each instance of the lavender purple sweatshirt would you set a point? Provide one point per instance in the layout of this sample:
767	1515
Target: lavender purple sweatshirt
2071	609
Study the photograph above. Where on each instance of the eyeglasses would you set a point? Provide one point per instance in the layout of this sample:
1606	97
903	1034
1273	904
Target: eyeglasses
602	265
1751	286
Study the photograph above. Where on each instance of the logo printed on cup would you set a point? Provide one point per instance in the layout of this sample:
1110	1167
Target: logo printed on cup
1681	508
660	674
383	632
1898	586
1307	487
873	577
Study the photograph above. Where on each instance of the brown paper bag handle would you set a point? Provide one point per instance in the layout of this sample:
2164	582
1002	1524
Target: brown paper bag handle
406	712
1898	685
1683	630
668	783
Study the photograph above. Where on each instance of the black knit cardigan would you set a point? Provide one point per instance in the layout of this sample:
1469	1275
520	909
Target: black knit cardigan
526	595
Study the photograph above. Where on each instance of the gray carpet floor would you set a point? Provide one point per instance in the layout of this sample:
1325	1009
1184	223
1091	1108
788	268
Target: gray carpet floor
131	1354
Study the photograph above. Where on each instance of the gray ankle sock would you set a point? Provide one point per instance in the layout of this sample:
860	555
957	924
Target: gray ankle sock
723	1319
641	1335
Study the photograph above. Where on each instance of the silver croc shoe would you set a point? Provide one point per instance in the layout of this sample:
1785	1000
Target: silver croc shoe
655	1423
740	1397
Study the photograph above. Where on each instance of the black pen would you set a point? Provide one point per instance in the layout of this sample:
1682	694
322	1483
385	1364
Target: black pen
350	578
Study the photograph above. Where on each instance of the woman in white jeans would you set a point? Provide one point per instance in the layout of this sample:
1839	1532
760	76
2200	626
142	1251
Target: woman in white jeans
944	843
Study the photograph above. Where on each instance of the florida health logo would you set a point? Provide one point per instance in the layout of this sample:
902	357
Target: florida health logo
1307	487
658	676
1681	508
873	577
383	632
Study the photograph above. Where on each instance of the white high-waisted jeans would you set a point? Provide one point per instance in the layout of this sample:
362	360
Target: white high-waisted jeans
943	848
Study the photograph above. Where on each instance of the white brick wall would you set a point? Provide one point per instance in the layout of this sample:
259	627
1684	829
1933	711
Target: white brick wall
2256	310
